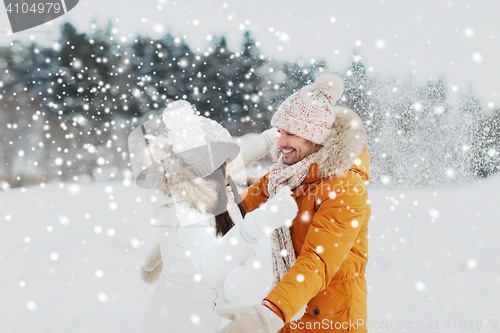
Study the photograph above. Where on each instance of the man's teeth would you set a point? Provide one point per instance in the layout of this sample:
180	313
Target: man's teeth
286	151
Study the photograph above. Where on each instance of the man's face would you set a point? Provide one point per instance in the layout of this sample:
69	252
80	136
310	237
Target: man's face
295	148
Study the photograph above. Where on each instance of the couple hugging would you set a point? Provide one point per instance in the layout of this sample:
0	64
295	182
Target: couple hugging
313	203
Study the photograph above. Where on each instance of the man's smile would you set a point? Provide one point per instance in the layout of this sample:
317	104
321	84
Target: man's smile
287	151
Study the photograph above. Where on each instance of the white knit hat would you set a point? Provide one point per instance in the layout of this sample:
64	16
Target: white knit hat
308	112
201	144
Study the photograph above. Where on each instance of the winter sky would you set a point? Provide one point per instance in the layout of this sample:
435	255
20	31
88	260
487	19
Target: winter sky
459	40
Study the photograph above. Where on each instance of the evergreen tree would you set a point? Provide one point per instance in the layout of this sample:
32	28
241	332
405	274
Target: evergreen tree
471	111
211	87
487	145
356	86
246	82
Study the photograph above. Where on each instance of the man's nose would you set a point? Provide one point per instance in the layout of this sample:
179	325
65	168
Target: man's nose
282	141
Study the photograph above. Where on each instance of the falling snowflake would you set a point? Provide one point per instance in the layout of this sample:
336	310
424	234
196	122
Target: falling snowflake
434	213
31	306
64	220
420	286
102	297
471	264
380	44
477	57
195	319
468	32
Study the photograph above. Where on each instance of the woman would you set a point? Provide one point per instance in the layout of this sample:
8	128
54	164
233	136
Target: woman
204	232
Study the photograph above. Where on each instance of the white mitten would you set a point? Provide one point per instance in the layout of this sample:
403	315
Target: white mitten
277	212
271	137
254	148
153	265
251	319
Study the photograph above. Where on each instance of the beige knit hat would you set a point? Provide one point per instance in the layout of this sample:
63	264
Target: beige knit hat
307	112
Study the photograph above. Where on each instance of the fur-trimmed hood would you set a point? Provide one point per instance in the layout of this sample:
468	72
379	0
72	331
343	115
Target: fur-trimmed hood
343	146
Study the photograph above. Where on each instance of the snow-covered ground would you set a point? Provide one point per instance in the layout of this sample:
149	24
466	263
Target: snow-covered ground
70	253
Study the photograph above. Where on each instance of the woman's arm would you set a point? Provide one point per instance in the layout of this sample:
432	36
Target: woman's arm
252	149
215	259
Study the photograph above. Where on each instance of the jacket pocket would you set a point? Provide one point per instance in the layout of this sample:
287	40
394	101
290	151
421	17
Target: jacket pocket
327	304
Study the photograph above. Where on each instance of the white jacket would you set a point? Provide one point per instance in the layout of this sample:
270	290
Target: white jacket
195	265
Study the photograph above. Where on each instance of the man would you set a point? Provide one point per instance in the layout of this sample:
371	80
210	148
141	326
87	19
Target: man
320	261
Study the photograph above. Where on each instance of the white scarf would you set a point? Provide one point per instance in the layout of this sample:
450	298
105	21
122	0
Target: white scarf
283	253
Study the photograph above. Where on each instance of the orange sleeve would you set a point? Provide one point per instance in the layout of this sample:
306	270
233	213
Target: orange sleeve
256	194
273	308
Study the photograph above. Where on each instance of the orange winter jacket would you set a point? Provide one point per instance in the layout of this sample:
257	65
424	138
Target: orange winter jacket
330	236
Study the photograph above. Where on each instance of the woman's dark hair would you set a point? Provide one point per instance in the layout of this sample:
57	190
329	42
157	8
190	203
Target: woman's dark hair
223	222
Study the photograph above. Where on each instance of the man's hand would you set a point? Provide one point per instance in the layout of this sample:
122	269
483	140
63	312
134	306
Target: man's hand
251	319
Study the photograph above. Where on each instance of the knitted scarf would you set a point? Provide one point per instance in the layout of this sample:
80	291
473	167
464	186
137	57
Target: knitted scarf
283	253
